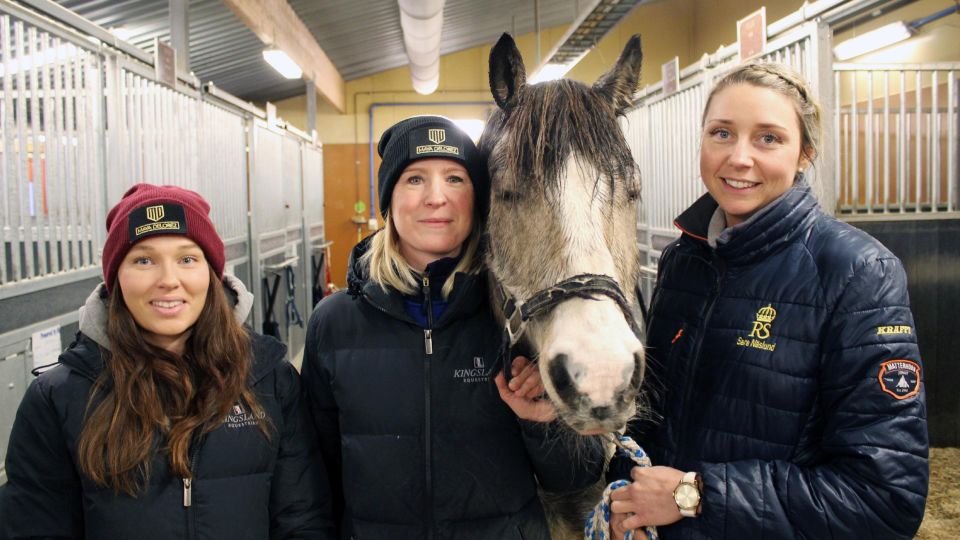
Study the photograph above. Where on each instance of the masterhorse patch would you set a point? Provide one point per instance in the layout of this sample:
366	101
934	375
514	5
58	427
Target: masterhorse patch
900	378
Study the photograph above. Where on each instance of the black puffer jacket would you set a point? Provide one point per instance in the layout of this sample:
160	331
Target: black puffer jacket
244	486
427	449
786	369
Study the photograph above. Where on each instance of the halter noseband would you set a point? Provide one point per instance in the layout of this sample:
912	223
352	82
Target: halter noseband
517	313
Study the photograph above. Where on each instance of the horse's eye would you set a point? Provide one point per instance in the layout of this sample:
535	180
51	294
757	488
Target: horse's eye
508	196
633	194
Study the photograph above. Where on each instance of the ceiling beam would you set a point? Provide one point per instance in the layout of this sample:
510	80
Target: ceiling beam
276	24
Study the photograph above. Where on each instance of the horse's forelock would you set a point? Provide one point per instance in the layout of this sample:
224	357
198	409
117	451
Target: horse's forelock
550	122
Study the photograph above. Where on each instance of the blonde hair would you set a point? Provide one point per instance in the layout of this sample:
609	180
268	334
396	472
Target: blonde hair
788	83
387	267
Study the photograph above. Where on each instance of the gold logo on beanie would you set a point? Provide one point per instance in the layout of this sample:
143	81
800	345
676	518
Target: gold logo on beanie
437	136
166	218
155	213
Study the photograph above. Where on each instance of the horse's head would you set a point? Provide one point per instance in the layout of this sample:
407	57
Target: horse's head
562	232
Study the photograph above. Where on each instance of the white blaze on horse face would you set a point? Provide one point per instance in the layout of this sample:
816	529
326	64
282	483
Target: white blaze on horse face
593	334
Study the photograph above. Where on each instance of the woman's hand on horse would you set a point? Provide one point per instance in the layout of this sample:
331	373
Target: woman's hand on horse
649	497
525	378
524	390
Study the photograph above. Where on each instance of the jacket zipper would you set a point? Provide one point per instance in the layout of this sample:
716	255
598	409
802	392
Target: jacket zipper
428	349
188	488
717	267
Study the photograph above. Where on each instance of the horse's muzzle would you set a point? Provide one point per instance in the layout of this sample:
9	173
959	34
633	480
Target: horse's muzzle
580	410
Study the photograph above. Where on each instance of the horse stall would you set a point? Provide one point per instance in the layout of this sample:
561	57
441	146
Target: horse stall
281	243
82	122
889	168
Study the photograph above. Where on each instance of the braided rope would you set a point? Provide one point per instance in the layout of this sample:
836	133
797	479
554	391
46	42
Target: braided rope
598	521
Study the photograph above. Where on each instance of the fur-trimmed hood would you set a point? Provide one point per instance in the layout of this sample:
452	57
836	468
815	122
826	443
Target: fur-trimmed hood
93	314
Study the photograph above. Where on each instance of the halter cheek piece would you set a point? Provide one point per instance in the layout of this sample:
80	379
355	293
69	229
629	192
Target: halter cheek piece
517	313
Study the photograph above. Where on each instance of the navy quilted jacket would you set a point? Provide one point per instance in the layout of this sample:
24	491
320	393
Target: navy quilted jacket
419	444
784	364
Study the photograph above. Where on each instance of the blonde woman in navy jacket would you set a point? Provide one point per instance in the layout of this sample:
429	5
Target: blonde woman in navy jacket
399	369
784	359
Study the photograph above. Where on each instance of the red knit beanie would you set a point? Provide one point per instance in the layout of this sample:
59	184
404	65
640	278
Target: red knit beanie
148	210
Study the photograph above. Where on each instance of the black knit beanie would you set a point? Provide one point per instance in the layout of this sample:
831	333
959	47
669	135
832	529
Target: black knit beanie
421	137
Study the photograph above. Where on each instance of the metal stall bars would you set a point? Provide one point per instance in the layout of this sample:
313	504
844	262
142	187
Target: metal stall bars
51	190
897	130
280	237
178	136
663	132
51	197
315	237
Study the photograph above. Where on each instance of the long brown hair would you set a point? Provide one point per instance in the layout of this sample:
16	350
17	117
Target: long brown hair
148	400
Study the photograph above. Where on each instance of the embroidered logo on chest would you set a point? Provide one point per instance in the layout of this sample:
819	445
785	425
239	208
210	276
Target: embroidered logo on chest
479	373
900	378
240	417
760	330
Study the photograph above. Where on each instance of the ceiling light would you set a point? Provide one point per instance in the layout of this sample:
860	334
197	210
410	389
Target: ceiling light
550	72
282	63
873	40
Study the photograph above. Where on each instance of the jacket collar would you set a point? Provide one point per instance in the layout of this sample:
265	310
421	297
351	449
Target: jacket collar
468	294
780	222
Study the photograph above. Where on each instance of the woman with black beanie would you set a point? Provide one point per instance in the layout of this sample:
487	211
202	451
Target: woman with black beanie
422	440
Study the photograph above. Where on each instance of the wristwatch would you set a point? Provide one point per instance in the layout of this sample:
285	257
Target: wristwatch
687	494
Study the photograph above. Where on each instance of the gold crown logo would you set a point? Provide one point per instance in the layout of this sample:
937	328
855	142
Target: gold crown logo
766	314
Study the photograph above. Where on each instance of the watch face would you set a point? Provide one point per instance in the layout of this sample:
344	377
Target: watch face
687	496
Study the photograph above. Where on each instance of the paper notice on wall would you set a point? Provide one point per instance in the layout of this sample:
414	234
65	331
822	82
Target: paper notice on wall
46	346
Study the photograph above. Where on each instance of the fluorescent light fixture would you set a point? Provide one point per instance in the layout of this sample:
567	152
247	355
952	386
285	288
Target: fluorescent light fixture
282	63
550	72
873	40
471	126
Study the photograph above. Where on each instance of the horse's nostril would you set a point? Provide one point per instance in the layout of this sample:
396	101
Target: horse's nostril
601	413
560	377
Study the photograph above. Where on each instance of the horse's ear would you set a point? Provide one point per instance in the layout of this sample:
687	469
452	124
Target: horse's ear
507	73
619	84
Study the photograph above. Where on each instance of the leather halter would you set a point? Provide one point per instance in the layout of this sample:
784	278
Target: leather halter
517	313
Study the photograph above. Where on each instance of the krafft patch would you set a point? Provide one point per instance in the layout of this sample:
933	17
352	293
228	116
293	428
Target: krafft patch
900	378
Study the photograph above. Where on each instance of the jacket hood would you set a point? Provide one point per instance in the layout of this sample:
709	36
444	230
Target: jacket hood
469	290
358	273
93	313
772	227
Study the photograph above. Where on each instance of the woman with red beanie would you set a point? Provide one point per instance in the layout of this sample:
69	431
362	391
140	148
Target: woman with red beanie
166	418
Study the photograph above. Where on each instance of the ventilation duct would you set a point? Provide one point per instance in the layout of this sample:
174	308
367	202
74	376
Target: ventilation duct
422	22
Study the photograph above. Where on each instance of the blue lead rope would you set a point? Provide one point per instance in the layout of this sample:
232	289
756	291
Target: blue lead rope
598	521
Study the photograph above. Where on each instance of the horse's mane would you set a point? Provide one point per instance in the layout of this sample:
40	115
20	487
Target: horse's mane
549	121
